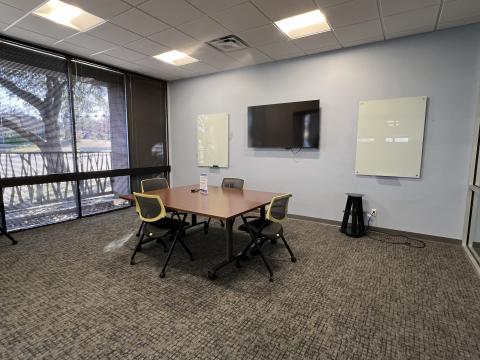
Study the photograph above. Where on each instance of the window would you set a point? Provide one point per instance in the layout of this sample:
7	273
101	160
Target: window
35	135
101	134
64	144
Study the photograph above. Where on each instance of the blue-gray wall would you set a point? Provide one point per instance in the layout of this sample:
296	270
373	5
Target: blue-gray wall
443	66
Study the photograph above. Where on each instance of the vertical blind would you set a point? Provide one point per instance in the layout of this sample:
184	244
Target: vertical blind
60	115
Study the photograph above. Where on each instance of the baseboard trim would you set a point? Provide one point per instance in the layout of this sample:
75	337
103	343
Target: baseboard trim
412	235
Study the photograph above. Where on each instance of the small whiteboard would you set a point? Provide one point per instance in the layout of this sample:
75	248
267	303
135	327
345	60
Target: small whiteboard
212	140
390	137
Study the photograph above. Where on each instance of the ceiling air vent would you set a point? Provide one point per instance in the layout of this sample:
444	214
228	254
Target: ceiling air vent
228	43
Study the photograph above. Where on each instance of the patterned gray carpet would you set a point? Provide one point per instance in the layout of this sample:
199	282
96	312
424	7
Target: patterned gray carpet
68	292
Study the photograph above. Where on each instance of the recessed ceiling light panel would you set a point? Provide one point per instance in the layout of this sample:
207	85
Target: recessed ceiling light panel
68	15
309	23
175	57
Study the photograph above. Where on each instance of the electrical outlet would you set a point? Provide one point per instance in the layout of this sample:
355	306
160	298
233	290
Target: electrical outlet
373	212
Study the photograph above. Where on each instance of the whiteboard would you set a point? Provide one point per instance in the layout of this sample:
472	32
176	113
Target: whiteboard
390	137
212	140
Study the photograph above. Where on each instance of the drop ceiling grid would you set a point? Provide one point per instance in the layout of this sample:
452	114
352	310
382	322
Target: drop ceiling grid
176	22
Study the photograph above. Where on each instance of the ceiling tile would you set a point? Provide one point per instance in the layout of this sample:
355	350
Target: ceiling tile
45	27
213	57
352	12
281	50
204	29
173	12
281	9
139	22
250	56
199	68
327	3
390	7
426	17
318	41
25	35
324	49
3	26
357	32
174	39
73	49
267	34
106	9
124	54
147	47
90	42
9	14
408	32
25	5
135	2
114	34
459	10
213	6
363	41
241	17
108	60
459	22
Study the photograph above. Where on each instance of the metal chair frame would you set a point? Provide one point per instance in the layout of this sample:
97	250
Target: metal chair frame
177	235
258	239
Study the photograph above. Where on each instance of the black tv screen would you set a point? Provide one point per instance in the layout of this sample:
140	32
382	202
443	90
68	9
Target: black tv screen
288	125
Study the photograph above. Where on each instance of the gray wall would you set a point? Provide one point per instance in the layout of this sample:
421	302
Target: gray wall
443	65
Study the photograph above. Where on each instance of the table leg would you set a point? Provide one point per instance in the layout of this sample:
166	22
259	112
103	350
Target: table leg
196	223
262	212
212	274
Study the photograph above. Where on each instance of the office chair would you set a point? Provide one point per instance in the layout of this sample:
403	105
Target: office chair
153	184
232	183
152	212
269	228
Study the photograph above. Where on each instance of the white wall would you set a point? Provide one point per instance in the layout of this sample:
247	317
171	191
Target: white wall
441	65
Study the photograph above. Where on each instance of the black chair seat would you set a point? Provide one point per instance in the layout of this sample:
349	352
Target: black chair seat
162	227
270	229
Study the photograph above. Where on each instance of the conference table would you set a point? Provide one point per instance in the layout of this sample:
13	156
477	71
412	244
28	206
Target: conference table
220	203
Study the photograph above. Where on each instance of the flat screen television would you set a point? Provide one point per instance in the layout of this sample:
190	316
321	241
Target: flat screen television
288	125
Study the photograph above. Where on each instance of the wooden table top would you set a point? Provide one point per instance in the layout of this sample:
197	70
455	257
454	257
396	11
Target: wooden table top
220	203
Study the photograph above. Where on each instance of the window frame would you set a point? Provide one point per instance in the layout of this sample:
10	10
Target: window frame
77	176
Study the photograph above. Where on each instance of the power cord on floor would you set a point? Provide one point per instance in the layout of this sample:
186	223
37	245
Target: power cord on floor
393	239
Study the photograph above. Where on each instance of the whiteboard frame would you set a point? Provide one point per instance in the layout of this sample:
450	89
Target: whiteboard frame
213	133
390	136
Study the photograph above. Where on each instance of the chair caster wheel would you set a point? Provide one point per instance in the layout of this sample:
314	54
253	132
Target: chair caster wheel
205	229
212	275
162	275
270	279
273	241
14	242
132	262
192	258
238	265
294	259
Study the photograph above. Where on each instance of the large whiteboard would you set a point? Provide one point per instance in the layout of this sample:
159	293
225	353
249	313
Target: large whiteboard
212	140
390	137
